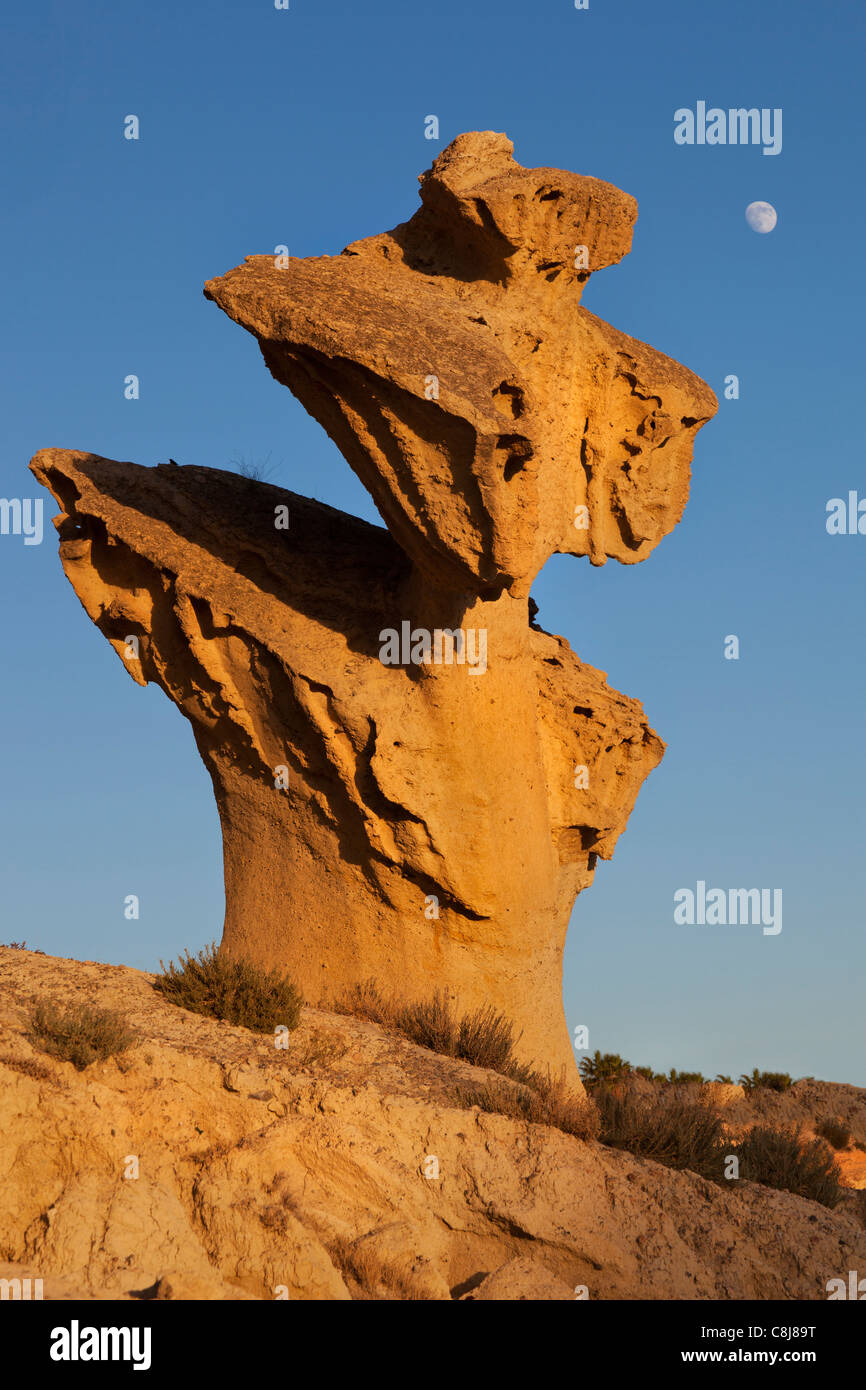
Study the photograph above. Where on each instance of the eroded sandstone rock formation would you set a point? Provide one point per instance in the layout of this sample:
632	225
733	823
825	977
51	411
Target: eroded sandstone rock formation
422	821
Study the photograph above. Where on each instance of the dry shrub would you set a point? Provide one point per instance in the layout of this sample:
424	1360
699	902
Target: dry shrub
320	1049
275	1216
79	1035
28	1066
237	991
676	1132
545	1101
430	1023
683	1134
484	1037
782	1158
835	1131
361	1265
366	1001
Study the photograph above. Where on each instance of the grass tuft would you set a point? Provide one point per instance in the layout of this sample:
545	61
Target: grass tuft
483	1037
365	1000
320	1049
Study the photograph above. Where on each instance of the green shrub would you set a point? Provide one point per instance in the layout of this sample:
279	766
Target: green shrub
835	1131
603	1068
726	1080
234	990
648	1074
782	1158
608	1067
770	1080
79	1034
674	1132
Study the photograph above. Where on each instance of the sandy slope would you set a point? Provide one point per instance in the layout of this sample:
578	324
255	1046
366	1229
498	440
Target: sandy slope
262	1170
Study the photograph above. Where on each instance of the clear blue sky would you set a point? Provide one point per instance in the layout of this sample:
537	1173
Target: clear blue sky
306	127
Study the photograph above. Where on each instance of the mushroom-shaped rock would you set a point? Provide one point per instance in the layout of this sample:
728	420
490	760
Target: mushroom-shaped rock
414	781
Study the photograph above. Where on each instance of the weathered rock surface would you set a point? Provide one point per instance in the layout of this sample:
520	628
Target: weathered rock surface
723	1093
262	1171
540	407
400	786
422	823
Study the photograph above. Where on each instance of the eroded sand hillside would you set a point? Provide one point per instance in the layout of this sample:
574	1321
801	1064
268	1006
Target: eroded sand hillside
303	1171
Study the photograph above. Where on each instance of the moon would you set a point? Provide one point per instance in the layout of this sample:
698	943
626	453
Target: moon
761	217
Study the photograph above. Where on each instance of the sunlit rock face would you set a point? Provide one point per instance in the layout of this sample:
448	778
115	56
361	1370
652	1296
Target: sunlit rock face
414	780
